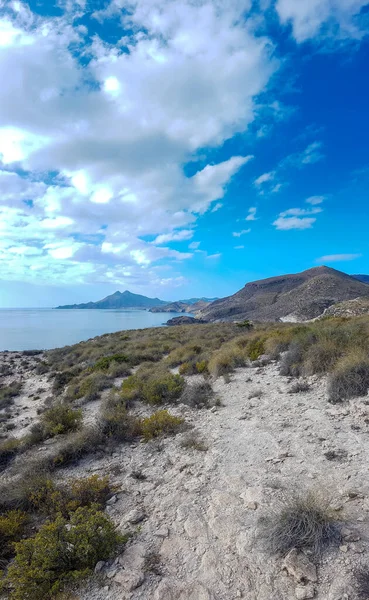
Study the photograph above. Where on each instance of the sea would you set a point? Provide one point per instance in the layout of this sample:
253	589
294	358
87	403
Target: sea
46	328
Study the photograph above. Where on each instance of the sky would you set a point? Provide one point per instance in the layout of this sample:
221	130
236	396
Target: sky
179	148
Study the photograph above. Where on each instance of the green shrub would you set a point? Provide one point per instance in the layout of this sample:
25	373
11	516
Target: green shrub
8	393
12	527
61	418
63	378
350	379
60	553
246	324
88	386
103	364
202	366
163	389
93	490
256	348
160	423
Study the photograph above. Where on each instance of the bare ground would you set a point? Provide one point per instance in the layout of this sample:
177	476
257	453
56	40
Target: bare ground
195	515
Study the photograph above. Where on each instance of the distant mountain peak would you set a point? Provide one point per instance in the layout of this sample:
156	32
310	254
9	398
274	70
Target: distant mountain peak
119	299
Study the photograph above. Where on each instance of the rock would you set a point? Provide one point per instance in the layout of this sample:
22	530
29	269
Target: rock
99	566
112	500
252	505
344	548
304	591
130	580
163	532
299	566
135	516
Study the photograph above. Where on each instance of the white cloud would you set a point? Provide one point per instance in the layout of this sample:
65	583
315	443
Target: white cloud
337	257
175	236
338	17
286	223
264	178
213	256
239	247
194	245
314	200
118	133
252	214
242	232
300	212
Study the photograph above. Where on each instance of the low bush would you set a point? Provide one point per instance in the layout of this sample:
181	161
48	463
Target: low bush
192	441
8	449
298	387
51	499
255	348
12	527
104	364
115	421
160	423
302	523
89	386
163	389
8	393
349	379
291	363
198	395
62	551
63	378
226	359
79	444
153	386
61	418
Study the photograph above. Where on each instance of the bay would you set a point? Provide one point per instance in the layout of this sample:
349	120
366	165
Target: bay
46	328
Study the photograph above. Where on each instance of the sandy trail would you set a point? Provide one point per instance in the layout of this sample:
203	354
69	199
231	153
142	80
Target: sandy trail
200	510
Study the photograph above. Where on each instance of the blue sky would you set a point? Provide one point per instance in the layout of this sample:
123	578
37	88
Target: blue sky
178	148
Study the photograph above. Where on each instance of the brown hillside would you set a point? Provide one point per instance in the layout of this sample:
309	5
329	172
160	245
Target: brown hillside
299	297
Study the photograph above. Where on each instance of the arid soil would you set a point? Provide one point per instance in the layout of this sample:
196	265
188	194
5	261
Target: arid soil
195	514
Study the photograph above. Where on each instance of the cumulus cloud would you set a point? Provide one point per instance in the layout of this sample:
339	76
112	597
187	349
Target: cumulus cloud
286	223
107	128
332	19
337	257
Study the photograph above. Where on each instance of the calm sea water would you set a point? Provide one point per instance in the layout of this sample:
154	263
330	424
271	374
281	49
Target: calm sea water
36	329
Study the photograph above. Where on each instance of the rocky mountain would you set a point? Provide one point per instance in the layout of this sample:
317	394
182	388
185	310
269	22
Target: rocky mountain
363	278
119	300
295	297
181	307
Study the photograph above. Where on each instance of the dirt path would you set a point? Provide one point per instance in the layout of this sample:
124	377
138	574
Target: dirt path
199	511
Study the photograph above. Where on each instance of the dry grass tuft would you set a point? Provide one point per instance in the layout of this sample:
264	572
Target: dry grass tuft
302	522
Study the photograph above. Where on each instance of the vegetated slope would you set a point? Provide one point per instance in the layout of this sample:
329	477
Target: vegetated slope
119	300
299	297
202	508
349	308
